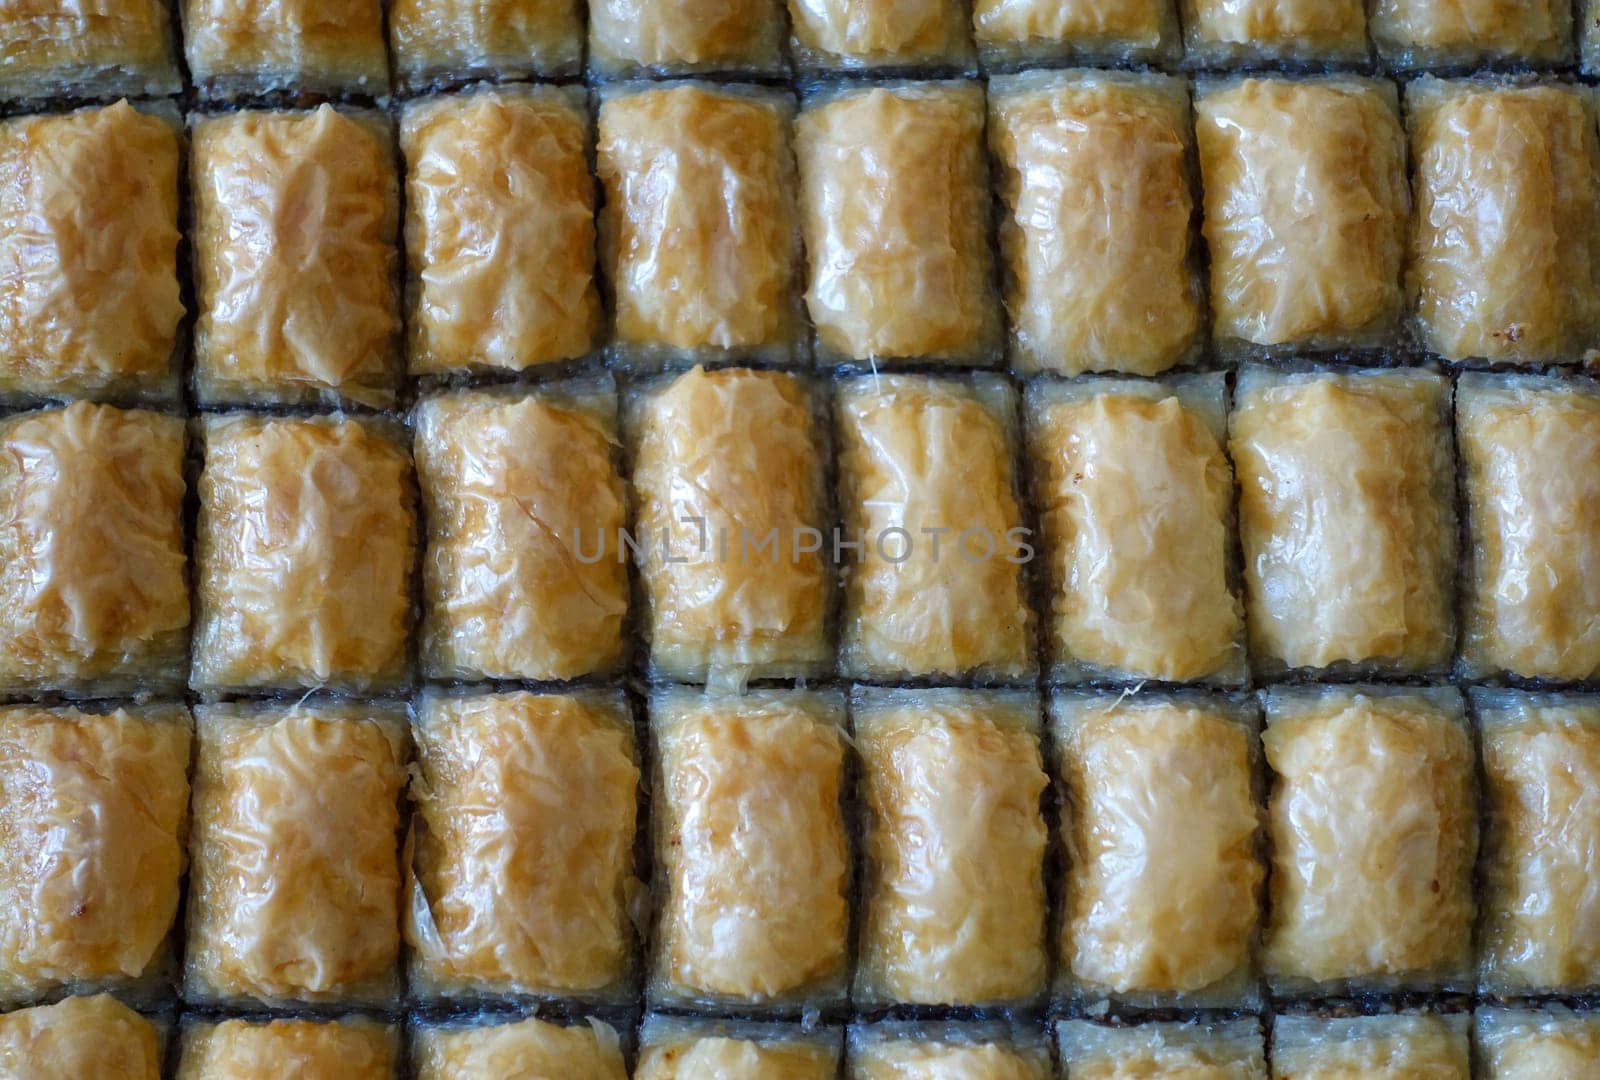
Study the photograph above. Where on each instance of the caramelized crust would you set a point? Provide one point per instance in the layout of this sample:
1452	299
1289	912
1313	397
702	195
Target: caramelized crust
1444	33
353	1049
433	38
878	33
1414	1046
1276	29
527	1048
1227	1050
82	1038
1095	28
686	35
250	46
49	49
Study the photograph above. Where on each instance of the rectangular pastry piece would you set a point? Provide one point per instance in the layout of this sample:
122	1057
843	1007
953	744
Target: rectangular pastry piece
81	1038
294	891
306	540
927	487
52	50
1306	205
93	817
954	903
1136	516
1419	1045
1537	1043
684	37
1373	826
698	238
243	47
89	295
1533	581
496	1049
880	35
94	589
1540	930
1244	33
352	1048
1193	1050
524	576
500	234
448	41
894	205
1441	34
1161	897
675	1049
1504	264
1097	221
1346	517
971	1051
1019	33
522	864
752	858
294	247
728	477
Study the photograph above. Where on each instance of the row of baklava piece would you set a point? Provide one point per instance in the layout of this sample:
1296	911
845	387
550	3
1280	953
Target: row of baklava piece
1187	871
867	240
98	1039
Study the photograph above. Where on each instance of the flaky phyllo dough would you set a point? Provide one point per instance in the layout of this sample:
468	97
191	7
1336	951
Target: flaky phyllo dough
1086	29
1404	1046
895	208
670	1053
1226	1050
304	554
294	258
1373	820
49	48
522	847
1225	31
295	888
499	230
523	577
89	298
752	859
92	820
94	593
879	33
1552	1043
1457	33
350	1049
450	39
526	1048
686	35
82	1038
944	1052
251	46
728	475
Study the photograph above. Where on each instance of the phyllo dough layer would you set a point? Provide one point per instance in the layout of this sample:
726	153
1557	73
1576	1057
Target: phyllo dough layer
1373	823
697	235
879	34
1505	243
954	892
752	859
1135	499
926	484
1346	517
93	814
499	230
672	1049
94	593
1400	1046
1225	1050
522	844
82	1038
1097	228
1552	1043
1305	211
1011	32
295	889
683	36
89	302
350	1049
523	578
1252	31
728	475
1161	897
941	1051
456	39
895	208
304	554
253	46
53	49
1461	33
294	258
529	1048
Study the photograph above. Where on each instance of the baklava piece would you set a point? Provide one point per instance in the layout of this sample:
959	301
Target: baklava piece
1230	33
523	577
89	300
1505	243
1221	1050
953	893
1427	1046
455	40
926	487
93	815
728	473
1162	890
94	592
355	1048
523	1048
1541	892
499	230
1415	34
81	1038
673	1049
1013	33
697	235
304	555
522	845
855	35
1136	509
1550	1043
295	887
1305	212
935	1051
752	856
50	49
680	37
1096	228
1373	826
242	47
894	204
1346	516
294	258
